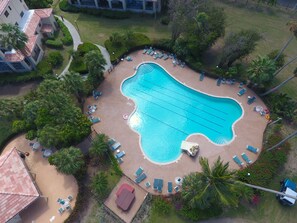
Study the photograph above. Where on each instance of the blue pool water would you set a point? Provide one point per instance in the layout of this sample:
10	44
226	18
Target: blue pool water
168	112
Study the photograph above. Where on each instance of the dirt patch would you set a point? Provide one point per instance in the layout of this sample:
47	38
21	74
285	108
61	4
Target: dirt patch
9	91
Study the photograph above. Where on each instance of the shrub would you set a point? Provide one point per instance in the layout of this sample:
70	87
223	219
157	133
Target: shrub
99	185
67	39
44	68
161	206
66	7
56	44
55	58
31	135
199	214
165	20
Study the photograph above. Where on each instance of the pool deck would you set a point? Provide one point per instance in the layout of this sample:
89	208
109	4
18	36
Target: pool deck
112	105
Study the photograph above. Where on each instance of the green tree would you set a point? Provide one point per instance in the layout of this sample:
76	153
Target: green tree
99	146
11	37
261	70
211	186
55	59
116	39
73	83
129	38
95	63
281	84
36	4
99	185
68	161
238	45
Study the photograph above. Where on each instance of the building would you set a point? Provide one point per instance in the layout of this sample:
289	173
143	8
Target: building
17	187
36	24
146	6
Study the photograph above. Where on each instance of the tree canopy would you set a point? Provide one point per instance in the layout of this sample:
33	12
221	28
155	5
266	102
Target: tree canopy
68	161
53	116
11	37
238	45
213	185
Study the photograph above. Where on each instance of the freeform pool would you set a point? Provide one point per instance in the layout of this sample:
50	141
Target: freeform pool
168	112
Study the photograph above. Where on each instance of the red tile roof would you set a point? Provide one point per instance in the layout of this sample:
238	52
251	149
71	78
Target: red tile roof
17	189
3	4
30	30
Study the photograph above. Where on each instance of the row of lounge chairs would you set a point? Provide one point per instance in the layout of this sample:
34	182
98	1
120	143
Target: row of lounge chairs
140	175
245	157
114	146
156	55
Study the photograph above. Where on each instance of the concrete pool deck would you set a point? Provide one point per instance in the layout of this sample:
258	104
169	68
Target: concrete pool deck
112	105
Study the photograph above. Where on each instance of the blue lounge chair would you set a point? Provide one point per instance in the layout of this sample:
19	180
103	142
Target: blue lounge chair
252	149
238	161
219	82
241	92
144	51
140	178
120	154
165	57
170	187
246	158
156	183
138	171
95	120
251	100
115	146
201	76
152	53
176	188
160	186
161	55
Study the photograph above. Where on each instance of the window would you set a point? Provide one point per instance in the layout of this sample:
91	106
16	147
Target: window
39	24
16	24
9	7
6	14
21	0
22	14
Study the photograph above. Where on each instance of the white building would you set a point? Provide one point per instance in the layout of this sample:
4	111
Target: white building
36	23
146	6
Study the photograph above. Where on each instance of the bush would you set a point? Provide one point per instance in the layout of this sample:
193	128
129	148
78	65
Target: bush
44	68
165	20
66	7
67	39
160	206
56	44
55	58
199	214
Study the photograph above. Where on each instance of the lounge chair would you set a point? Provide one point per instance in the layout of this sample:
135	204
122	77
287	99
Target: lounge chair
138	171
246	158
237	161
156	183
120	160
252	149
144	51
95	120
70	198
219	82
161	55
176	188
201	76
160	186
152	53
147	184
140	178
148	52
156	56
241	92
120	154
111	141
170	187
165	57
115	146
251	100
61	210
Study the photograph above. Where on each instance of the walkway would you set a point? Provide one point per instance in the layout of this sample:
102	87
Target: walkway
106	56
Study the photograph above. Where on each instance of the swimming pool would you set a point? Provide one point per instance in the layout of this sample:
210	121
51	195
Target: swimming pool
167	112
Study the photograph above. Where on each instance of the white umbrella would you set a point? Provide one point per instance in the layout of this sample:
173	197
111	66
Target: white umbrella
178	180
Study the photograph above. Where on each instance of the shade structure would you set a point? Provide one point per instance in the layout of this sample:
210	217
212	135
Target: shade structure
125	199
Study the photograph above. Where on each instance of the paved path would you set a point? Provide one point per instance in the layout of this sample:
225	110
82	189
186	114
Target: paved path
76	40
106	56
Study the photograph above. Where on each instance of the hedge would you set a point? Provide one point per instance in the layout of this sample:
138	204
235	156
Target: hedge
78	65
12	78
139	41
56	44
67	39
66	7
55	59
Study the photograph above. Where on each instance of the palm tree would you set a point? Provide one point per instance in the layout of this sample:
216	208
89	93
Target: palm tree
73	83
95	63
212	185
99	146
69	160
99	184
281	84
283	141
11	37
293	28
261	70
